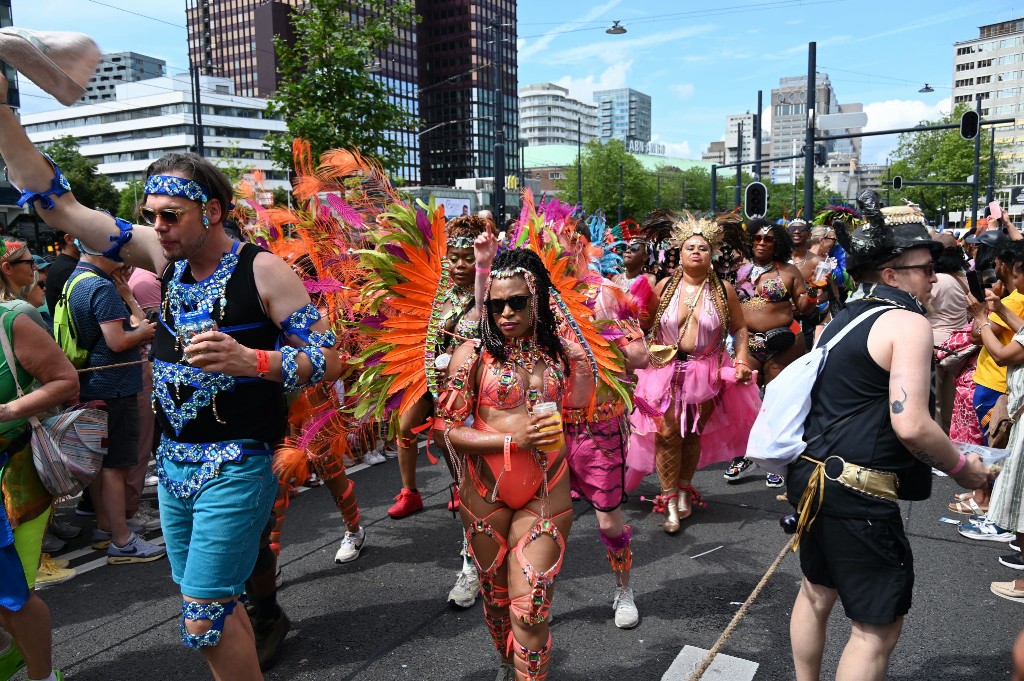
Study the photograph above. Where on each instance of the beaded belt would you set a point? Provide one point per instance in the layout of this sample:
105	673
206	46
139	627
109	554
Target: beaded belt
603	412
212	455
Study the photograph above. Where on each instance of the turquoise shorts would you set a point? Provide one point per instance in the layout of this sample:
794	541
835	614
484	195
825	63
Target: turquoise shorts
213	536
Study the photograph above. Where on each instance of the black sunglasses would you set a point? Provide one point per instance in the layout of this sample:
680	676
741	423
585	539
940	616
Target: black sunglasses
636	248
517	303
168	215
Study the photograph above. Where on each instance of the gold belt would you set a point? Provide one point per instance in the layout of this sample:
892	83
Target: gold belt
877	484
602	412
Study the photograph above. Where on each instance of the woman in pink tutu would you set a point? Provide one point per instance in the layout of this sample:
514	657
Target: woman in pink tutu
693	388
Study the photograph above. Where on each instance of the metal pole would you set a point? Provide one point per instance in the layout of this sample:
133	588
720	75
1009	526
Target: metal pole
888	189
977	166
579	161
714	188
812	90
739	159
657	203
499	132
757	138
682	194
990	194
620	193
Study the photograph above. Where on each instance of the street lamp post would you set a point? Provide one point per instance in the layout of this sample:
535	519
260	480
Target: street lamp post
620	193
990	192
579	161
657	203
498	199
739	159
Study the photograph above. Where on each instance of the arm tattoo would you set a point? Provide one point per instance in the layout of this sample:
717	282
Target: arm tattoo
924	457
899	405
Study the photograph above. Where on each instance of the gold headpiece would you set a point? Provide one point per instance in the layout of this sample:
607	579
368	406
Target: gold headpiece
907	214
686	226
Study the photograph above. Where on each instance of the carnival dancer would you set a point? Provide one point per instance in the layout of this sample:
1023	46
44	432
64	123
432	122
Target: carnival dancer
693	388
805	260
637	279
771	290
236	331
513	473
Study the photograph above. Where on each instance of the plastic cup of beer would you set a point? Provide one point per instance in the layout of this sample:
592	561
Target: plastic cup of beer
543	408
820	277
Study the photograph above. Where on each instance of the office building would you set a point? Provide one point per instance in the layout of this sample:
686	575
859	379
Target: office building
789	124
438	71
989	68
624	114
120	67
457	42
548	115
715	153
150	118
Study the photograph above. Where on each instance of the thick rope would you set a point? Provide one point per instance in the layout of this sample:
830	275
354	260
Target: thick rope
112	366
738	617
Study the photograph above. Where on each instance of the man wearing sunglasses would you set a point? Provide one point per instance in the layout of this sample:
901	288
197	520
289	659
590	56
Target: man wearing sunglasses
219	394
876	381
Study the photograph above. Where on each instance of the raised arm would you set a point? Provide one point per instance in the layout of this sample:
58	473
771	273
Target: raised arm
31	172
902	341
484	249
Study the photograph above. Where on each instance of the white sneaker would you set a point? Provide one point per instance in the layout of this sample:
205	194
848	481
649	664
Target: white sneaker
146	519
390	453
374	457
626	614
351	545
151	481
467	586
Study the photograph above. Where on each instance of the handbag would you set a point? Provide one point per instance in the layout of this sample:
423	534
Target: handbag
999	423
67	449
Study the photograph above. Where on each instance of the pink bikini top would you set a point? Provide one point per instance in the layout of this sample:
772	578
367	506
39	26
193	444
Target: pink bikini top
502	388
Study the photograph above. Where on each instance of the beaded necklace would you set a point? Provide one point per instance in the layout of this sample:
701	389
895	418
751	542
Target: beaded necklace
205	295
526	354
447	292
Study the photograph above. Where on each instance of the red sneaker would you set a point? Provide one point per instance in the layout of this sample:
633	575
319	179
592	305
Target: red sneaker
407	502
453	504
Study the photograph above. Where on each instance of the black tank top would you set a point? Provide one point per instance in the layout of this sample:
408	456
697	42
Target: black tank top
255	409
851	402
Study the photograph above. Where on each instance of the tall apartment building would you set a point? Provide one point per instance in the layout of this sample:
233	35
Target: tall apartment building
437	71
624	114
457	40
989	68
548	115
788	124
150	118
120	67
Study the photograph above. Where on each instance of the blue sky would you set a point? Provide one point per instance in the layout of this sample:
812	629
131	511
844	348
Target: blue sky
700	60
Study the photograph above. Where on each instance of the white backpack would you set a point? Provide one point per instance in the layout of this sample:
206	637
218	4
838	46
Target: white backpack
777	437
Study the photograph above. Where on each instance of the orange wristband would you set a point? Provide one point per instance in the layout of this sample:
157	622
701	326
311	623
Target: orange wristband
262	363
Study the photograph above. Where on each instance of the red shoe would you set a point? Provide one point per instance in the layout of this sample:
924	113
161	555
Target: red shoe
407	502
455	502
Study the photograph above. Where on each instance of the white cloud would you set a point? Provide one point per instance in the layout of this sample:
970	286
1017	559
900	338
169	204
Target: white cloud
612	49
583	88
895	113
678	149
527	49
683	89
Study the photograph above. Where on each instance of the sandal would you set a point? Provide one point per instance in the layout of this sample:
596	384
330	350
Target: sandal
963	496
967	507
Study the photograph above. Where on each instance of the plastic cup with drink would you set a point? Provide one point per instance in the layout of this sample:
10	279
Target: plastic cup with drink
543	408
191	324
821	271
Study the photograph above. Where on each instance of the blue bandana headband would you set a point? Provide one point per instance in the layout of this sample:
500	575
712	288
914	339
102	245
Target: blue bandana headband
177	186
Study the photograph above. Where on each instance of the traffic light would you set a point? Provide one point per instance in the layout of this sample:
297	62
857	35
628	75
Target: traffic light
897	183
756	200
969	123
820	154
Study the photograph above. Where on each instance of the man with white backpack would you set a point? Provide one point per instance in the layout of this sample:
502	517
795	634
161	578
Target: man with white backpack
870	441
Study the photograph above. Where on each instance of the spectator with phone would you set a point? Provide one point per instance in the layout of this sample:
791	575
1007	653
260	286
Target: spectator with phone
948	316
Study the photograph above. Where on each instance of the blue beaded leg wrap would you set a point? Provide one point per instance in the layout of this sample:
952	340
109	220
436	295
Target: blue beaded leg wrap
319	362
290	367
215	612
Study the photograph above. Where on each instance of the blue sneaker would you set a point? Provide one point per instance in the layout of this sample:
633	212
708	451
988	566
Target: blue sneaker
774	481
137	550
986	530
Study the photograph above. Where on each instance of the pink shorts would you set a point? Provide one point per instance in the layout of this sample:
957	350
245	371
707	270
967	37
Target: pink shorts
596	452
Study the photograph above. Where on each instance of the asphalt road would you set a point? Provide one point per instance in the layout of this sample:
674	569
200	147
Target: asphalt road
384	616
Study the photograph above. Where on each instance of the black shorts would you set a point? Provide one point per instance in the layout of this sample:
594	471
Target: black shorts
122	432
868	561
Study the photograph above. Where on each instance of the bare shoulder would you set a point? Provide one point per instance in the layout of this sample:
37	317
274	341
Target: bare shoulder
903	328
463	353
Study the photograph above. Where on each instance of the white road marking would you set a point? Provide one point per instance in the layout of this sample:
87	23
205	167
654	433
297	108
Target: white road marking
707	552
723	668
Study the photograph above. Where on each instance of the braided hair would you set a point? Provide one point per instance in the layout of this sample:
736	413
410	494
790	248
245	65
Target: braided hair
545	324
783	244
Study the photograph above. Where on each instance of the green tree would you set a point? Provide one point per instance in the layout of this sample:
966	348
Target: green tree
942	156
90	187
600	163
130	197
326	94
230	162
787	199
